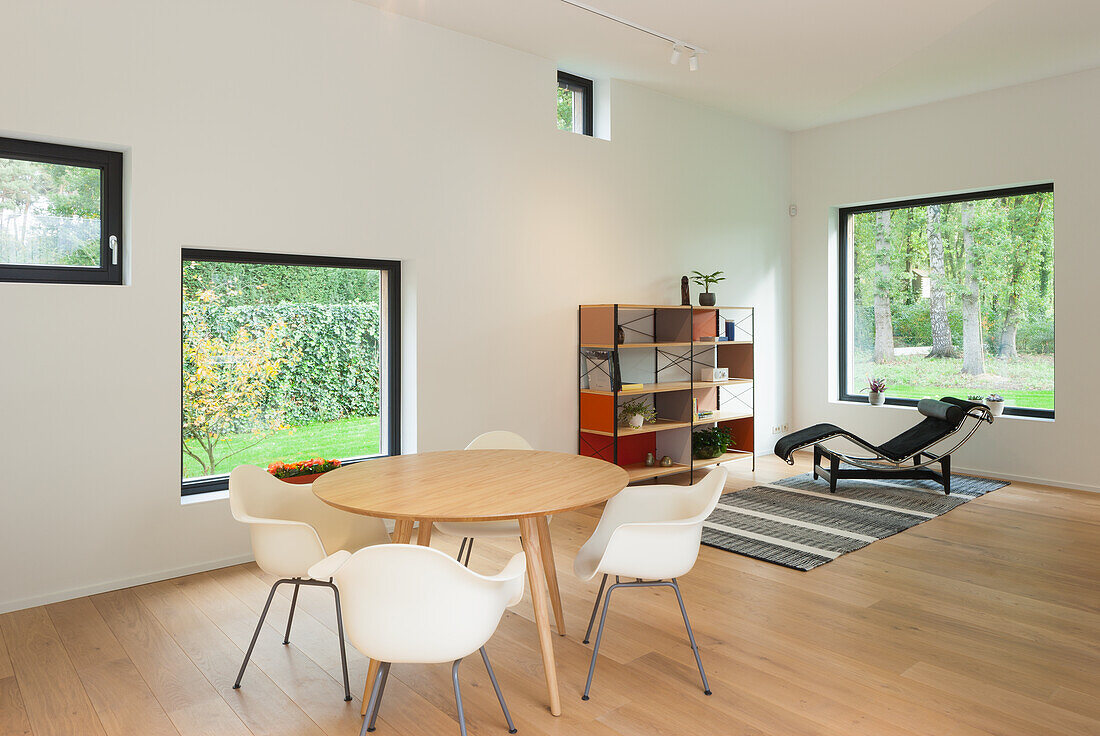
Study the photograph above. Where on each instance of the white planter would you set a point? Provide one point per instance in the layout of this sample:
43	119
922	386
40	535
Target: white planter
876	398
636	421
996	408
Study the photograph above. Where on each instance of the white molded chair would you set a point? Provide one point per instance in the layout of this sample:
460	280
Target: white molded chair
495	440
292	530
651	534
434	610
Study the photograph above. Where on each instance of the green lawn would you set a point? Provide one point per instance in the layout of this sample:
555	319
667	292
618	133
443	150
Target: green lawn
1027	381
339	439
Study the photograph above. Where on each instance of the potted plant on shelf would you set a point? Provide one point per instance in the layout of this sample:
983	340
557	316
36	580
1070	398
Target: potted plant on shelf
707	298
996	404
709	443
303	471
876	391
635	413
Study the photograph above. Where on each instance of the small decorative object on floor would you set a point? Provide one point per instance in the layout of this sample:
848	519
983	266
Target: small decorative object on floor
707	298
666	462
650	461
303	471
685	293
996	404
876	391
707	444
635	413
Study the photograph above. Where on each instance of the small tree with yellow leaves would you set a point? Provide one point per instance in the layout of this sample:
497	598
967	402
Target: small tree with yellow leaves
227	383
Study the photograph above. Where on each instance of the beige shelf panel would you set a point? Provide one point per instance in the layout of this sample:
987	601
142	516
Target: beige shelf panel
723	458
659	426
639	471
641	345
725	416
656	388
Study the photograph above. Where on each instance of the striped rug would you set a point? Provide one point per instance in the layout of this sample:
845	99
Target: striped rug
796	522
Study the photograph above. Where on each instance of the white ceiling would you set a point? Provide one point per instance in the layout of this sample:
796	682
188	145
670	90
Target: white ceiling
794	63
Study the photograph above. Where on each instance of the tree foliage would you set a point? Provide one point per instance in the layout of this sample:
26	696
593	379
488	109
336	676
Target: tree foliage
49	213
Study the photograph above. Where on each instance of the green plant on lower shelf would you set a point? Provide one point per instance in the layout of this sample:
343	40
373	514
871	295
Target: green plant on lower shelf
710	443
636	407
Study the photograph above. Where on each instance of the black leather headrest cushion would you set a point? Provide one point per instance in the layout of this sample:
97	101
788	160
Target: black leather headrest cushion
936	409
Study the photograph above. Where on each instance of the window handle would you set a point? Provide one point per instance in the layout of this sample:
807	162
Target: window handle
113	243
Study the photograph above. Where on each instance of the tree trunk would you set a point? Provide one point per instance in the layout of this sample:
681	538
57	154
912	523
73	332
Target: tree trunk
973	350
1007	348
884	325
941	330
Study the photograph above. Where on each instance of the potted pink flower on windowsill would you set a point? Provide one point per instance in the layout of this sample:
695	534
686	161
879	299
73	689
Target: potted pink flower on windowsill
876	391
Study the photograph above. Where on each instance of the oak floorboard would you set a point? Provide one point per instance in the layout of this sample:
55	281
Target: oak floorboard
52	693
13	714
191	702
121	699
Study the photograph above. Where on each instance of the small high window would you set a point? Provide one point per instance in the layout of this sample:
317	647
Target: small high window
60	213
574	103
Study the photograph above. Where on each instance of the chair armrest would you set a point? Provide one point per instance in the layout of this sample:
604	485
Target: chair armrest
326	568
652	550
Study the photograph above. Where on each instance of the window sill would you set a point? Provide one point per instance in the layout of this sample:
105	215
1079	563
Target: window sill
204	497
1015	417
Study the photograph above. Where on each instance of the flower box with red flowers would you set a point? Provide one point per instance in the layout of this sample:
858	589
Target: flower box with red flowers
303	471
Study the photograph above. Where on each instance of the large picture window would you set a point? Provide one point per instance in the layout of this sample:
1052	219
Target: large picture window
951	296
60	213
286	358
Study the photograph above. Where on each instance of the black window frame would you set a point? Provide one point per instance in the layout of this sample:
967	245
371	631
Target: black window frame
584	86
392	364
109	164
843	267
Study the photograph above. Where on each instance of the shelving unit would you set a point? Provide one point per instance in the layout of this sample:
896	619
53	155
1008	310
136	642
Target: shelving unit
665	348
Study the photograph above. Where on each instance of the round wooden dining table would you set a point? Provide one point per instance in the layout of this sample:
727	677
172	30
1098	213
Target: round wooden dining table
480	485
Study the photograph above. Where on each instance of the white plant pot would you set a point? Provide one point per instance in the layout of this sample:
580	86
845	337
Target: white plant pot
996	408
636	421
876	398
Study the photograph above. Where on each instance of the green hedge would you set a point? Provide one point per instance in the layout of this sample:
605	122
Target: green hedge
332	350
913	328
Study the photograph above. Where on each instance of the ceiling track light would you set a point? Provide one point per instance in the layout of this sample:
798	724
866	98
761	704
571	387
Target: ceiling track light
678	46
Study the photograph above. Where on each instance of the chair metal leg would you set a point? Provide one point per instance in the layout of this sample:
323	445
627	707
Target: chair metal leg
259	626
462	548
340	635
496	686
469	549
458	698
691	637
290	618
599	637
595	607
375	699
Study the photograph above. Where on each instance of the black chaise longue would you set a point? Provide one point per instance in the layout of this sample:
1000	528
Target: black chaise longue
891	459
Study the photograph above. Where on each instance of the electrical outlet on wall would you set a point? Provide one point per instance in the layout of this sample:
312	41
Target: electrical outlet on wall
779	428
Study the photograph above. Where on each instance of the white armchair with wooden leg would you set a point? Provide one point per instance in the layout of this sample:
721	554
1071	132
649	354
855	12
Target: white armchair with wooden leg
433	610
649	535
291	530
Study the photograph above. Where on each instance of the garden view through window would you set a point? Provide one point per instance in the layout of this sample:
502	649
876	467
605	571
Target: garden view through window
951	296
282	362
574	103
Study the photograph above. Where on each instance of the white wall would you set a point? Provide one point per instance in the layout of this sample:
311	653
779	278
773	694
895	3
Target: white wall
325	126
1045	131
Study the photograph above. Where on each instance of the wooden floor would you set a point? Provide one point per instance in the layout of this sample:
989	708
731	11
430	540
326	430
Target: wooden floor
983	621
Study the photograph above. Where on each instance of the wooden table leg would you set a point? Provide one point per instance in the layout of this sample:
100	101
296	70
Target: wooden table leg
402	533
529	535
424	533
551	572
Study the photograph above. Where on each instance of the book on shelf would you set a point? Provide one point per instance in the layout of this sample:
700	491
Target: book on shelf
631	386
